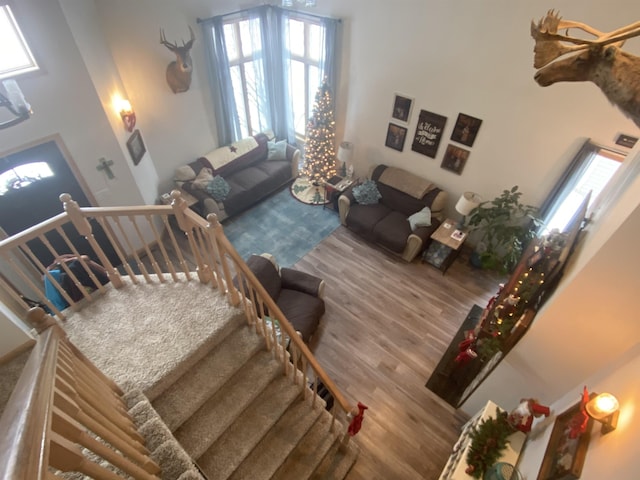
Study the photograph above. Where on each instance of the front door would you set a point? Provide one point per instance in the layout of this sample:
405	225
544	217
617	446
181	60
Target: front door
31	182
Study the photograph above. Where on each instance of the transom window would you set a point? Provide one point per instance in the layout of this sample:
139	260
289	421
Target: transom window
23	175
15	57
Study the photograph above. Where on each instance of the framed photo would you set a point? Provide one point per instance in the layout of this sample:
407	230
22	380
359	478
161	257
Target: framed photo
136	147
395	137
565	456
402	106
466	129
454	159
428	133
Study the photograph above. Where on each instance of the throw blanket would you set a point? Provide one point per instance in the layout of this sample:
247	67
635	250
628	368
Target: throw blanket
221	156
405	182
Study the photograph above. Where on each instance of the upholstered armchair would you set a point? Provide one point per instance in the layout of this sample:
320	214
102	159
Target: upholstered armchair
298	294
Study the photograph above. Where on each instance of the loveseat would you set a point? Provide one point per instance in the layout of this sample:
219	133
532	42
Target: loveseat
297	294
407	211
229	179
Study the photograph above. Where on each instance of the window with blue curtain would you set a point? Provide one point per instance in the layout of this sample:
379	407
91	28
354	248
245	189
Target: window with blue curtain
265	66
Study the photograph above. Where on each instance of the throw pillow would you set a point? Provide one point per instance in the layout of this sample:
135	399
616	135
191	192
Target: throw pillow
218	188
203	179
366	193
277	150
420	219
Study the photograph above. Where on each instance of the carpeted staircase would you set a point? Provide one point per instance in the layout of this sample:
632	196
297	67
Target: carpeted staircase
226	401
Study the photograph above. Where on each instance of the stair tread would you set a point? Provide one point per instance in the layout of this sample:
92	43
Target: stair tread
200	431
245	433
275	446
310	451
337	464
206	377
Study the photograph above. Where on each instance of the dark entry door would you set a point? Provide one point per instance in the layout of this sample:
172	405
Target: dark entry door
31	182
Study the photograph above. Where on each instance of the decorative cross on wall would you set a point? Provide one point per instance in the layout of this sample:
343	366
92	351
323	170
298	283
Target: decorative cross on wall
105	165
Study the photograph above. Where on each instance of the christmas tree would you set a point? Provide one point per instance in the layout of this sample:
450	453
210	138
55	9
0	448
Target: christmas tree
320	156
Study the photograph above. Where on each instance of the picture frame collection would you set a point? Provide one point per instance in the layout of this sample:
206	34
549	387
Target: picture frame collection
429	132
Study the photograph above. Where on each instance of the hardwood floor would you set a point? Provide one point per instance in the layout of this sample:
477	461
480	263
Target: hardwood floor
386	326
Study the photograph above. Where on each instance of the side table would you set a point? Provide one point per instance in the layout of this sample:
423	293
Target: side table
333	188
445	245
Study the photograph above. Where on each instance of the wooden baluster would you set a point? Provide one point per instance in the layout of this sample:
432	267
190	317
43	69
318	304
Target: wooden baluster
217	229
116	246
108	417
145	245
67	457
72	430
67	270
315	390
132	448
205	252
303	365
53	281
98	285
179	206
216	254
163	251
84	228
133	251
246	303
176	248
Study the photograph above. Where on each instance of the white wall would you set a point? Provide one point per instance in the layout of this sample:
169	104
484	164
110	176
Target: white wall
64	101
613	455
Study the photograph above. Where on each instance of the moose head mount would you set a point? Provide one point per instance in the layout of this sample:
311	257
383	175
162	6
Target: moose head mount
600	60
179	71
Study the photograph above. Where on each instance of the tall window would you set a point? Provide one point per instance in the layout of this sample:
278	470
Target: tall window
246	67
590	171
15	55
266	64
304	44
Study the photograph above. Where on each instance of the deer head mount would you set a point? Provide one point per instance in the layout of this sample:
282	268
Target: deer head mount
600	60
179	71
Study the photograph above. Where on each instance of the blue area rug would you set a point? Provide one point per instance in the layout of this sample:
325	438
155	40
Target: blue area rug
282	226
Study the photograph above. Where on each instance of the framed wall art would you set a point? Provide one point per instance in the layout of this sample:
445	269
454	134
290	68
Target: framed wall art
395	137
428	133
136	147
466	129
402	106
454	159
565	456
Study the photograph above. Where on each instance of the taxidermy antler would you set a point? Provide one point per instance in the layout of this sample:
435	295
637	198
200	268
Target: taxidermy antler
600	61
179	71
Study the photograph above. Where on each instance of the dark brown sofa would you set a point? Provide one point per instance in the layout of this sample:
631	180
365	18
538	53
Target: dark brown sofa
246	168
387	222
298	294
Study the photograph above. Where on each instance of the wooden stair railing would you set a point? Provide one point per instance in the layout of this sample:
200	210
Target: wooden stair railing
132	232
59	407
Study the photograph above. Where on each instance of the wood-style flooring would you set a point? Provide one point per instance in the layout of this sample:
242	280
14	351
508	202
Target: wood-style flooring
386	326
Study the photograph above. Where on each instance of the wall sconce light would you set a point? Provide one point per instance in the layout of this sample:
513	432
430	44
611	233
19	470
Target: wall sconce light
466	203
127	114
604	408
345	154
14	102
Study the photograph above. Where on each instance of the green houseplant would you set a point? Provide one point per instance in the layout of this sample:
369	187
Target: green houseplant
505	226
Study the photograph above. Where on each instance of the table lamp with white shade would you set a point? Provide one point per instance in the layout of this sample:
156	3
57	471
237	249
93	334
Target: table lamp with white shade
466	203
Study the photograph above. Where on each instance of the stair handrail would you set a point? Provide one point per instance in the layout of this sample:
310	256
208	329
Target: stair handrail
188	219
45	422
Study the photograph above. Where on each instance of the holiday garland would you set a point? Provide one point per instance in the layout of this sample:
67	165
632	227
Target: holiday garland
488	440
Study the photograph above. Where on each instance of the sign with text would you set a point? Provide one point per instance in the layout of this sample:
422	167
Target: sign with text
428	133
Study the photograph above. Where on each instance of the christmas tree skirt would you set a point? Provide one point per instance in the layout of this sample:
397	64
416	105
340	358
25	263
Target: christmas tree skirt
304	191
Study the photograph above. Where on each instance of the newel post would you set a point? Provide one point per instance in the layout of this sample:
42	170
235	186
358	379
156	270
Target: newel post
83	227
179	206
218	232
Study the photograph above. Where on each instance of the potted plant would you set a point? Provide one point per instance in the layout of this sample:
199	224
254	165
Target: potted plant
505	227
